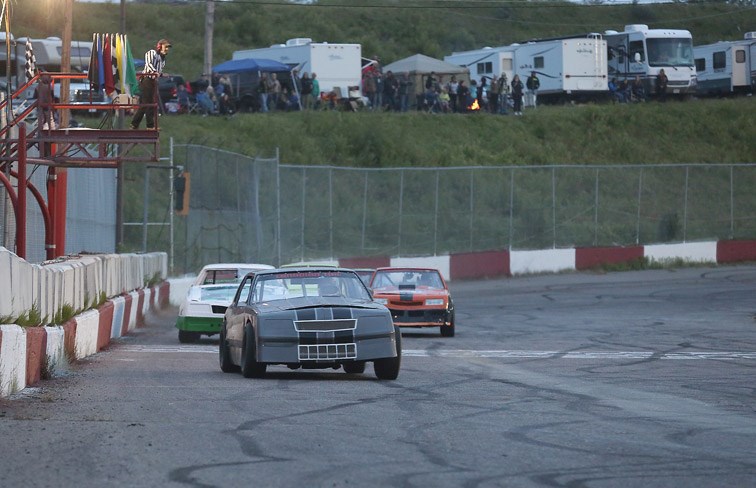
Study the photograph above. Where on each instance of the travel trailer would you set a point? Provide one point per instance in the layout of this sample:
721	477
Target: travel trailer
338	66
644	52
568	68
47	53
726	67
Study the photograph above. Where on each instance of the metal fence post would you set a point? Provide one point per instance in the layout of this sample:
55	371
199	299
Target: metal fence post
435	217
364	210
637	222
685	205
511	206
278	208
553	205
330	210
171	210
401	201
145	210
472	205
732	204
595	211
302	231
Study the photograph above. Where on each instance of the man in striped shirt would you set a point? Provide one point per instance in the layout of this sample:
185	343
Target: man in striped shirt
154	62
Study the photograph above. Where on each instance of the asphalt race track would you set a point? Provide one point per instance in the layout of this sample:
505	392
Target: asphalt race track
634	379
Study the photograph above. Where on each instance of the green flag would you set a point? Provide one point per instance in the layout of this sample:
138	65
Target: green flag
131	79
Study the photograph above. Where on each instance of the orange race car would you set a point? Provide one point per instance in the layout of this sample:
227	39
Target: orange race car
416	297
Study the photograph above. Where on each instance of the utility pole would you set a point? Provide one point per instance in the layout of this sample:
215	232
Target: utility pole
207	67
65	59
120	172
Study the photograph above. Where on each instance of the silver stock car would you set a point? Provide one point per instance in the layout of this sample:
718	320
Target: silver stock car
312	318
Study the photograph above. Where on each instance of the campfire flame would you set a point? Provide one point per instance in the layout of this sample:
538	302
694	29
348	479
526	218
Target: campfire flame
474	106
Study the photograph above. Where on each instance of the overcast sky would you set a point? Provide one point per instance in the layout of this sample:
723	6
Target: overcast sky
575	1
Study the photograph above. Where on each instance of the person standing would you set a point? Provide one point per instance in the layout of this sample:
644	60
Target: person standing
463	95
154	63
315	91
274	91
517	89
404	88
262	90
661	85
504	93
532	84
453	87
306	83
493	95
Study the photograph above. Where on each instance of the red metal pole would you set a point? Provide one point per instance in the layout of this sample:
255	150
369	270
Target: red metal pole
21	214
61	197
51	188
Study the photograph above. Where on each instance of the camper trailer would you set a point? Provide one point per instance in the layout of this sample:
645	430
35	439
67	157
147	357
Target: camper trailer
338	66
644	52
726	67
47	53
568	68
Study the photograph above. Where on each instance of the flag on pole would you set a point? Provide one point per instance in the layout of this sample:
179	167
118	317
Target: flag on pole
30	67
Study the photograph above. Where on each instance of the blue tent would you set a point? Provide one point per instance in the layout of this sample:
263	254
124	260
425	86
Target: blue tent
249	64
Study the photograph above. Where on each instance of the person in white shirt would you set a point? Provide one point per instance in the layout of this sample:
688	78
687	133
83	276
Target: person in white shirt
154	62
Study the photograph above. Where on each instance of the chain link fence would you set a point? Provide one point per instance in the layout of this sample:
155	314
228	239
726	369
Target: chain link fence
256	210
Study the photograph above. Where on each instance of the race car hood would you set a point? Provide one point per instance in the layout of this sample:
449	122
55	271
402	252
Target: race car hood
313	302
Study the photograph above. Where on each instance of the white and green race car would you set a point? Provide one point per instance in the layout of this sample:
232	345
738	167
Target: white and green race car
202	311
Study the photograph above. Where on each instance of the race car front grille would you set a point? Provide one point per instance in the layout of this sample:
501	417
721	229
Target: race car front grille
327	352
325	325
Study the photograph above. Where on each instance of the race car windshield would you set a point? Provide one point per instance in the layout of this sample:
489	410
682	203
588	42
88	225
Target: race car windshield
285	286
218	293
408	279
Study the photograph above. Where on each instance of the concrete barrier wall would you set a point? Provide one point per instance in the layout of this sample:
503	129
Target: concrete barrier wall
116	327
29	354
87	330
488	264
12	359
56	350
688	251
544	261
76	281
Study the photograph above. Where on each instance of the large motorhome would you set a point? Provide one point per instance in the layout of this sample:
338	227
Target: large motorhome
48	56
640	51
567	68
337	65
727	67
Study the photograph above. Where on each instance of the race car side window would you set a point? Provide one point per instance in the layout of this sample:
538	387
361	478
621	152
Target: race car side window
242	293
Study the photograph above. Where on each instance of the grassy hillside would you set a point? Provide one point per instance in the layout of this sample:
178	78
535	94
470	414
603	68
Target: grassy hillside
391	29
697	131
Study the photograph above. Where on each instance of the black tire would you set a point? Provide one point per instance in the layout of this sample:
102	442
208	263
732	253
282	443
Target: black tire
188	337
224	355
356	367
388	368
448	330
250	368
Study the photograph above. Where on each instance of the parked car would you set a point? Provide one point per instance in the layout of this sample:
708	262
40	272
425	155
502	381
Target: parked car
202	311
168	87
311	318
365	274
416	297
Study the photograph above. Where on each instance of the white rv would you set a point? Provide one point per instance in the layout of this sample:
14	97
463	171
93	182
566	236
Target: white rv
48	55
640	51
572	67
337	65
727	66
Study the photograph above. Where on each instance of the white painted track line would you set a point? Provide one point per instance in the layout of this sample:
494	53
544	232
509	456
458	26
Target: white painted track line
471	353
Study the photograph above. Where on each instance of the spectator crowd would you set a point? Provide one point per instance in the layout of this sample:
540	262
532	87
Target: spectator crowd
389	92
